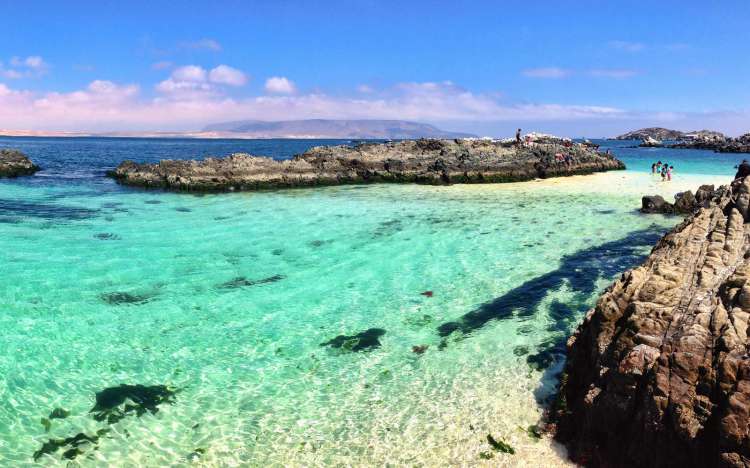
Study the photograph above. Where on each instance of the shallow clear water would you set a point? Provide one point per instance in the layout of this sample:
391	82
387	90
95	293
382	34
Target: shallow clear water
228	298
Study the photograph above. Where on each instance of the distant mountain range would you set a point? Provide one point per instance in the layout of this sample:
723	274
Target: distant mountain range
321	128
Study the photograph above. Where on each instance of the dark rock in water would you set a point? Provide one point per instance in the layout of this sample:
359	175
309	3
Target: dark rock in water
419	349
241	282
114	403
14	164
107	236
656	204
427	293
685	202
658	373
499	445
367	339
76	444
409	161
152	202
59	413
120	298
183	209
521	350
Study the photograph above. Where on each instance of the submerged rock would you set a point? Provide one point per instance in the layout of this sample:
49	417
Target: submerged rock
367	339
411	161
241	282
120	298
114	403
14	163
658	373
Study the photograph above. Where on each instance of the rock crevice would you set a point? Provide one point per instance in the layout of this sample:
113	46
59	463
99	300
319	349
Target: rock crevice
658	374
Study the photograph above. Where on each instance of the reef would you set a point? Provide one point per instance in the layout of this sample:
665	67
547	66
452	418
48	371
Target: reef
658	373
14	164
362	341
413	161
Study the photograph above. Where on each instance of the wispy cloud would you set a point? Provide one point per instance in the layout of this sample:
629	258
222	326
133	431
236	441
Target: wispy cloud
280	85
365	89
162	65
19	67
616	73
547	72
627	46
202	44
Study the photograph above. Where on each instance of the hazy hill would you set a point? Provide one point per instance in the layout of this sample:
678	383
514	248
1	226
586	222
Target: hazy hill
320	128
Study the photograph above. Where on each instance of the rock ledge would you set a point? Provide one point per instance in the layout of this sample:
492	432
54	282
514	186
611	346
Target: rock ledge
413	161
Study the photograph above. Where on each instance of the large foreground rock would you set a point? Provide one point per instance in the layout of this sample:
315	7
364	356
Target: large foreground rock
14	163
658	374
417	161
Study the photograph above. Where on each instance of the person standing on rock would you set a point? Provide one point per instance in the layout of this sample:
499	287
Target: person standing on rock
518	137
743	170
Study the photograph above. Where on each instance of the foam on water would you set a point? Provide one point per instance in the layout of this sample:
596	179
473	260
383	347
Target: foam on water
227	298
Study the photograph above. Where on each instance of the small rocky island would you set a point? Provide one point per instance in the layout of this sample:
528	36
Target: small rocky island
14	163
658	373
424	161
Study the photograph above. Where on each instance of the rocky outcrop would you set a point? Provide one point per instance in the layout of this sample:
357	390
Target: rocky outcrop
417	161
656	133
650	142
14	163
658	373
685	202
718	143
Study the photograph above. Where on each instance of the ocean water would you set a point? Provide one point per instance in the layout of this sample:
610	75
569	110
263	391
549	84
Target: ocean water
228	298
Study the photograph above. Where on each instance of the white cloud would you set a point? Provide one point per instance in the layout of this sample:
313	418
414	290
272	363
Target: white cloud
627	46
105	105
365	89
547	72
280	85
202	44
224	74
190	73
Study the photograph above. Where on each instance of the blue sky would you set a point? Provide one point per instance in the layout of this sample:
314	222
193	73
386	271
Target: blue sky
573	67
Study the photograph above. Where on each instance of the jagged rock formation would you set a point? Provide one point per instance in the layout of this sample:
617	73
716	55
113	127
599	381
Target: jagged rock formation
658	373
416	161
685	202
656	133
650	142
14	163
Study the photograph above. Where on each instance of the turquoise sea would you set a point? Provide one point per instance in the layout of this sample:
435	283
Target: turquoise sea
227	299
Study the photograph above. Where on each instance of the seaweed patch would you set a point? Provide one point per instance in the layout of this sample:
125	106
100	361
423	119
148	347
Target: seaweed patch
367	339
114	403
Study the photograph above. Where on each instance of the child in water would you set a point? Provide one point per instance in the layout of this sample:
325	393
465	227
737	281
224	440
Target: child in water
669	172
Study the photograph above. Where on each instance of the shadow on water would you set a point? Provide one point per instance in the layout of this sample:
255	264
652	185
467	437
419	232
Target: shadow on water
17	208
580	271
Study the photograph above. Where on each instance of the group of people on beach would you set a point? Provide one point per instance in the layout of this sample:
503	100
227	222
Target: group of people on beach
662	168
